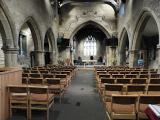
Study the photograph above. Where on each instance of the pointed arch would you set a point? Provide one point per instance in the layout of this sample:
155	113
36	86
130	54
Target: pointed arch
141	53
123	47
50	56
142	21
123	38
35	31
50	35
90	23
6	29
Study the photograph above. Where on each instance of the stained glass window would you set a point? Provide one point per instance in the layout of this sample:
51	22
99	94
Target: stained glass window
90	47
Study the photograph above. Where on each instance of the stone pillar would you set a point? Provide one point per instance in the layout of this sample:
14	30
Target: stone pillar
53	57
39	58
133	57
119	58
158	52
111	55
11	55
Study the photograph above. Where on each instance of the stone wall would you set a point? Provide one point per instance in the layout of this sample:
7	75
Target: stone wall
1	53
133	19
42	16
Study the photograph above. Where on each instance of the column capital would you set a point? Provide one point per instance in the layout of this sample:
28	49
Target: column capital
158	46
10	50
38	51
133	51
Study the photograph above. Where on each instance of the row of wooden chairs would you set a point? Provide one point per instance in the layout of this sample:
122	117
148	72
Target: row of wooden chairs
58	83
112	68
122	89
30	98
130	106
129	81
126	72
108	89
66	80
128	76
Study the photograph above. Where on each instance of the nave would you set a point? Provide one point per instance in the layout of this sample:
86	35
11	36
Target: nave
81	101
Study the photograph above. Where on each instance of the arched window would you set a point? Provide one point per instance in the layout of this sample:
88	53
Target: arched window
90	47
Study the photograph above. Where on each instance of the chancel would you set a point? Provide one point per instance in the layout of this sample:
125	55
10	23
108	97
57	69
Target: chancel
79	59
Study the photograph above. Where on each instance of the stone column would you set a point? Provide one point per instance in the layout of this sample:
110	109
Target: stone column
158	53
111	55
39	58
11	55
53	57
133	57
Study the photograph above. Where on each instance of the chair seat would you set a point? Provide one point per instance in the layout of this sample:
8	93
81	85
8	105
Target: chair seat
41	97
19	96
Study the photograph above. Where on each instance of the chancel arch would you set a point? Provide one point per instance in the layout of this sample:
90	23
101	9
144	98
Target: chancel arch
88	41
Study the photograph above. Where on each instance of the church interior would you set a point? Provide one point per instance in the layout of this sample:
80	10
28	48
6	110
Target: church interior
79	59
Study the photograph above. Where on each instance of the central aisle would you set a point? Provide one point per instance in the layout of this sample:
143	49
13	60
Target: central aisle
81	100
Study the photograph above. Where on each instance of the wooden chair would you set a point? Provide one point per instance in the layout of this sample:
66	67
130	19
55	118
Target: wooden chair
154	81
48	76
18	98
56	87
104	76
44	71
144	72
35	75
134	72
113	72
34	71
154	75
112	89
124	107
131	76
25	80
36	81
135	89
123	80
26	71
25	74
117	76
144	76
144	101
104	81
139	81
64	79
153	89
40	99
124	72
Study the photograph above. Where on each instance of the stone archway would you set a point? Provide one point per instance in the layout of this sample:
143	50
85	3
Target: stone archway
79	28
124	48
145	41
35	50
9	57
87	23
50	47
